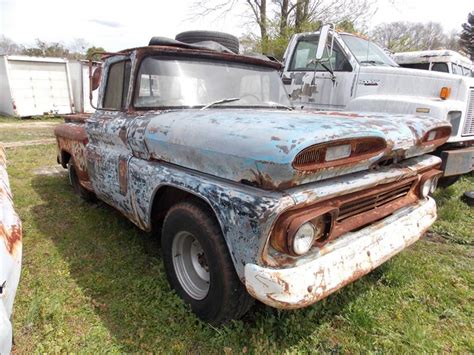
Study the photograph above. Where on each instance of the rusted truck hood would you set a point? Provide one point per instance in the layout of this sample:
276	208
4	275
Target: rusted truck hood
258	147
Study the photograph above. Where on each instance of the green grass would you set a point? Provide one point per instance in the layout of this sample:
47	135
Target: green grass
25	134
92	282
16	129
26	120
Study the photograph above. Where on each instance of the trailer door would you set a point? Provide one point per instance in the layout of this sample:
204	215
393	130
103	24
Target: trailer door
40	87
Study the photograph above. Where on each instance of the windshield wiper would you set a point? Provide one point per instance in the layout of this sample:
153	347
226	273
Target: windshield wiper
278	105
221	101
373	62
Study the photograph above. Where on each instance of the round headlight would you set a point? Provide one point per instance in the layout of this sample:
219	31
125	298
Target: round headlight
304	238
425	188
434	184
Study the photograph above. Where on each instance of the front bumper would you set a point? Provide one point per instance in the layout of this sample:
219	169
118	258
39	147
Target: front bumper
457	161
340	262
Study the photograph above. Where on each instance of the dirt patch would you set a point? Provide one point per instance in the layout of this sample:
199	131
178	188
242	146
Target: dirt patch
435	237
55	170
29	125
28	143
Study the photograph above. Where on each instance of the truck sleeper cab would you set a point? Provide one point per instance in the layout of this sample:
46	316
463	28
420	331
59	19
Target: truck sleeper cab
250	198
441	60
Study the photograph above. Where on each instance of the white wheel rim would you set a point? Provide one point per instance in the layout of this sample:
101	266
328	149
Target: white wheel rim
190	265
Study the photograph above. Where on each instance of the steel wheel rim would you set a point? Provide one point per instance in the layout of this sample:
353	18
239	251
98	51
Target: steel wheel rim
190	265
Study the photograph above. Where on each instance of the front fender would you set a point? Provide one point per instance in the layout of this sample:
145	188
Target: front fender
245	213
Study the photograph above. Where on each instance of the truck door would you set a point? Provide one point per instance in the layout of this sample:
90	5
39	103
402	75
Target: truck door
108	151
310	84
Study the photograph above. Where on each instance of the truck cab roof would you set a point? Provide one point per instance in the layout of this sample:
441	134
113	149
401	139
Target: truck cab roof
166	46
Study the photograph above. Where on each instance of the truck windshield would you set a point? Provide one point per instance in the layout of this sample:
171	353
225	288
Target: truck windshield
180	82
366	52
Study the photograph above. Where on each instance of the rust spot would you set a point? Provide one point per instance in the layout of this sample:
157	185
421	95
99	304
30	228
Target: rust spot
12	239
123	135
284	148
123	175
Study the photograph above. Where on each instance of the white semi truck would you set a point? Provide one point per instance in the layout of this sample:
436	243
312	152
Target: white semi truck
336	71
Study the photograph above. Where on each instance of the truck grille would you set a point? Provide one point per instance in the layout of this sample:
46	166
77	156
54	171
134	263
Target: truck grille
372	202
468	129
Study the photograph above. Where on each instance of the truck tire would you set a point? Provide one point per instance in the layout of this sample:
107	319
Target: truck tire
198	264
445	182
227	40
78	189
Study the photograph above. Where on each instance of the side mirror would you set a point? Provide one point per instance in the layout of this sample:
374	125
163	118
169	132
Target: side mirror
323	39
96	78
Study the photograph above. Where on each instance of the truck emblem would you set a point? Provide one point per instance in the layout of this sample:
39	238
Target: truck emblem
372	82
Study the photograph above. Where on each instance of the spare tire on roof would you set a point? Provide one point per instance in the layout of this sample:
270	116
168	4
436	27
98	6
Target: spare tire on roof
227	40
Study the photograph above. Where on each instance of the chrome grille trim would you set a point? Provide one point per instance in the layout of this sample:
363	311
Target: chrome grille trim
468	129
353	208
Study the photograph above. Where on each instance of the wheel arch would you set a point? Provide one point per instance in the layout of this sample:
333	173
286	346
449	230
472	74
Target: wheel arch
166	195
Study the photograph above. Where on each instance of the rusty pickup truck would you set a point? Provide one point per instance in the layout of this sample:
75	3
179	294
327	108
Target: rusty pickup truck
251	199
10	256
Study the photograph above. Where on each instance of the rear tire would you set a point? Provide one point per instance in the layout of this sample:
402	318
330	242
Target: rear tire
227	40
78	188
198	264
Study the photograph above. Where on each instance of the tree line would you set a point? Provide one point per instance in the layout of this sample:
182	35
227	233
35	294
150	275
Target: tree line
76	49
278	20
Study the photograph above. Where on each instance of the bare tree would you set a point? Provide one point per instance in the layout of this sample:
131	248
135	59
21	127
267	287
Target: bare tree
259	10
467	35
77	48
289	16
410	36
9	47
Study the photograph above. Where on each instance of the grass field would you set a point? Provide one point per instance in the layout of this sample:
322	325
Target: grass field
92	282
15	129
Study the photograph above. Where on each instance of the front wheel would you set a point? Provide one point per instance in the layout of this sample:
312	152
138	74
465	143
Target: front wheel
76	185
445	182
198	264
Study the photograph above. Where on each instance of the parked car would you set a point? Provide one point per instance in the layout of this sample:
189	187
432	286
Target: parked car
353	73
442	60
251	199
10	257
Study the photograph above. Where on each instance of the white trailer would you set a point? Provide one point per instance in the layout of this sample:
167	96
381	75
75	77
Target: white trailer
80	85
32	86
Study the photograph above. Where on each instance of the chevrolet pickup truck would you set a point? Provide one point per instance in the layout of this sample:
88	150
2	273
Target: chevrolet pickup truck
10	256
354	74
250	199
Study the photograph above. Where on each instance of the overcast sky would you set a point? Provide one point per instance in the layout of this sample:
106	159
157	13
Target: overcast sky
118	24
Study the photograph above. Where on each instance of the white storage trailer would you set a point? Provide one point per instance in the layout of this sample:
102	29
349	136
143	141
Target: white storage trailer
32	86
80	85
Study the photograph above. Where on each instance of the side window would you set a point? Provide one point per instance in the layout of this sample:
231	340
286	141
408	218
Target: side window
117	85
456	69
442	67
303	57
423	66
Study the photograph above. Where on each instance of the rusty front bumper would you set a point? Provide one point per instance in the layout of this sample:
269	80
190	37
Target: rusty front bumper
340	262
